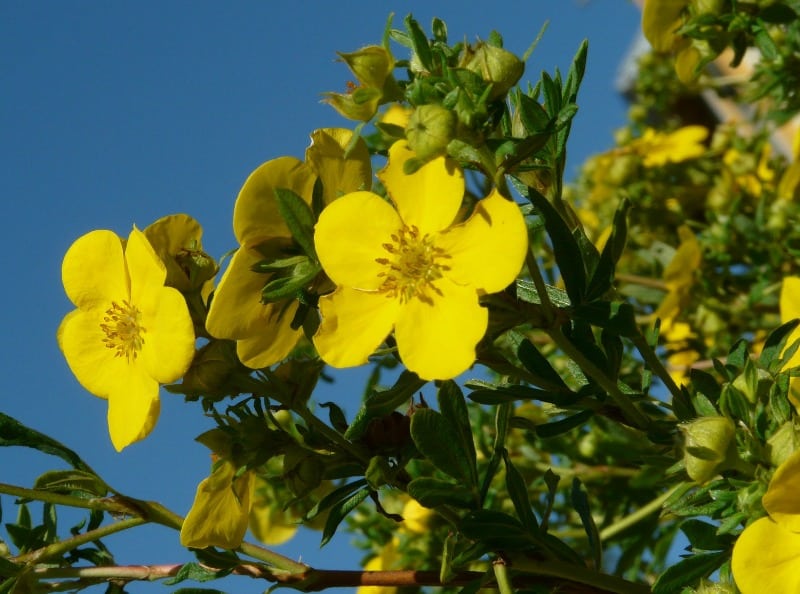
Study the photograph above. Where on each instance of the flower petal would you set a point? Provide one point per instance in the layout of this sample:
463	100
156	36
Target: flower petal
275	338
236	308
350	235
168	334
220	511
781	500
255	214
170	236
133	406
487	251
146	271
354	324
429	198
437	340
339	174
95	366
765	559
262	331
93	270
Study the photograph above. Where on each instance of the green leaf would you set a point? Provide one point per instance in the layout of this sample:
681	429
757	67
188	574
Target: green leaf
575	73
337	495
14	433
339	512
437	440
284	287
70	481
453	408
518	491
603	276
496	530
419	42
688	571
616	316
562	426
776	341
565	248
526	291
703	536
533	116
432	492
298	218
197	573
335	416
537	365
198	591
581	504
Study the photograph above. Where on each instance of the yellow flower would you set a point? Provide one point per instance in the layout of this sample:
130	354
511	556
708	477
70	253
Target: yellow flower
416	517
679	275
661	20
263	331
221	509
790	309
129	334
659	148
397	115
413	268
766	556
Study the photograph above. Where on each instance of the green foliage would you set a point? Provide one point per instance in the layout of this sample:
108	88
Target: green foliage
647	307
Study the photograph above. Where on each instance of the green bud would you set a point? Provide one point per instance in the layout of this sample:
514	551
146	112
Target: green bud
706	587
371	65
430	128
709	446
495	65
302	470
211	370
707	6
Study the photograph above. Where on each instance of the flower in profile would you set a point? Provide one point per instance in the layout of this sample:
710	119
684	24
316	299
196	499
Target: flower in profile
263	332
221	508
411	267
659	148
129	332
766	556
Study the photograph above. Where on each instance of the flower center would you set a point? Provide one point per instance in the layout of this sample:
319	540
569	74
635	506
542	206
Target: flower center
414	264
123	331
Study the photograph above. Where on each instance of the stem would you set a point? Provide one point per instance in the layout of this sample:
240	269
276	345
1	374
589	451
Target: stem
275	559
655	364
501	575
632	414
57	549
640	514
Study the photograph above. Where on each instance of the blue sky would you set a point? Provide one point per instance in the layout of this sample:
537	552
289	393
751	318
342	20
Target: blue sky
117	113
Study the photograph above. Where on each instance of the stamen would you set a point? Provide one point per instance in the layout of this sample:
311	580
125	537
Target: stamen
123	330
416	263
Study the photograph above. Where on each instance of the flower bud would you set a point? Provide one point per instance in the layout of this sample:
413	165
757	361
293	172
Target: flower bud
302	470
371	65
497	66
709	446
212	369
707	6
430	128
